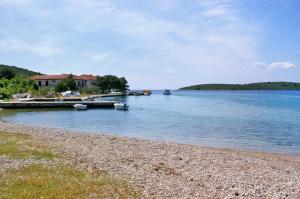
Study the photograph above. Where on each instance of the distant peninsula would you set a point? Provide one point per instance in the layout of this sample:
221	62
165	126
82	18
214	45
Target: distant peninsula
251	86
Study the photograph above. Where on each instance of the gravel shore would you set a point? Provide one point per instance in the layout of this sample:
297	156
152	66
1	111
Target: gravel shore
168	170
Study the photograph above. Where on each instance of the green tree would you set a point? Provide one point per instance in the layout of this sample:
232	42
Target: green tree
67	84
109	82
6	73
124	84
114	83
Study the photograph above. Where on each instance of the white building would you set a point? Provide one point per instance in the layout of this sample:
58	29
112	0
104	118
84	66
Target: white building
53	80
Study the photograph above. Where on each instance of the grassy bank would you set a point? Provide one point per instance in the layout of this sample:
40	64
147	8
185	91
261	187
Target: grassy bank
19	146
47	175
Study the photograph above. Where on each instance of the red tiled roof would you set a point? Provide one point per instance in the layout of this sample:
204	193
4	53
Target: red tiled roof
64	76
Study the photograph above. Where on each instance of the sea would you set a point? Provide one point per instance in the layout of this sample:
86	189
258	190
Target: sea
248	120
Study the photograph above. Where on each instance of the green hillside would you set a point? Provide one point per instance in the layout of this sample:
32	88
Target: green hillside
19	71
252	86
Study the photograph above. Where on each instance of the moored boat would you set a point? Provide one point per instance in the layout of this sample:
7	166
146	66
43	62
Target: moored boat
121	106
147	92
80	106
138	94
167	92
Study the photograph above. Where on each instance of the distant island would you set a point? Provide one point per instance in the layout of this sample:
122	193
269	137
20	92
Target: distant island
252	86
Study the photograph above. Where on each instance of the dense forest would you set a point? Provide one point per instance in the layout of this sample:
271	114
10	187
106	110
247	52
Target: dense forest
18	71
252	86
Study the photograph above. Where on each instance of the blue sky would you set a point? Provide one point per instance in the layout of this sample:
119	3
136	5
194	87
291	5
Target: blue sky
155	43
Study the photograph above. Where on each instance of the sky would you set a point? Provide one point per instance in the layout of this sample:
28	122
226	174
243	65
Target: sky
155	44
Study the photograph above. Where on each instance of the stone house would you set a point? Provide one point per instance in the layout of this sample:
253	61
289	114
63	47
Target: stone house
53	80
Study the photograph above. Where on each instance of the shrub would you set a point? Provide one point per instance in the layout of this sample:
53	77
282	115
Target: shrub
16	85
45	92
67	84
91	90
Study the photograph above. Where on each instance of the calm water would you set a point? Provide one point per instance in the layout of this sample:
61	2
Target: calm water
256	120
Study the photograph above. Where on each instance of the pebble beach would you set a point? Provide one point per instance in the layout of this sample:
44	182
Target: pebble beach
170	170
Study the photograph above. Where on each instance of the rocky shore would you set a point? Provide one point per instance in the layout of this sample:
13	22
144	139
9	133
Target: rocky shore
168	170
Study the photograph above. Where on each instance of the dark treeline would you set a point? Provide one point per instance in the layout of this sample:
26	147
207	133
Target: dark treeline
252	86
12	71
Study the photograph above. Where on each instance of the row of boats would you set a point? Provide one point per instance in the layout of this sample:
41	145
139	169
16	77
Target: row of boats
147	92
121	106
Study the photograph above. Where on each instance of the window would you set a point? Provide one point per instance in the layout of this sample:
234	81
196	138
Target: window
47	83
40	83
53	81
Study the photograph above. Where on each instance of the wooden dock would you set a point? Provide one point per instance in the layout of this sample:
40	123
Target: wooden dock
62	104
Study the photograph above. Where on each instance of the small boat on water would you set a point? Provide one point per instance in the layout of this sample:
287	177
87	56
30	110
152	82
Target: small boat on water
80	106
167	92
147	92
138	94
121	106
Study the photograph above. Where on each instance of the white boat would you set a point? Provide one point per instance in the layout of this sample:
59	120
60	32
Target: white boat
80	106
121	106
167	92
70	94
25	99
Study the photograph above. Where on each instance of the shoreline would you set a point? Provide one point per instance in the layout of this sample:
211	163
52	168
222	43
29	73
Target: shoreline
107	134
235	149
171	142
167	170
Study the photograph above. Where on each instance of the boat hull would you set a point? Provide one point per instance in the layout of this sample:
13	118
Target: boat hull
80	107
120	106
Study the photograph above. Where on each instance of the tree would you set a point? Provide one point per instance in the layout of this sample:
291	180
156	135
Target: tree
109	82
61	87
124	84
67	84
114	83
104	83
6	73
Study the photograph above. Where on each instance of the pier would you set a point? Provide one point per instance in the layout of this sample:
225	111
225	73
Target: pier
61	104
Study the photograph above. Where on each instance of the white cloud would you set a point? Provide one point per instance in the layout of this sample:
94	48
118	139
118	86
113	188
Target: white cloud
96	57
200	39
275	65
15	2
43	48
220	10
152	33
283	65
